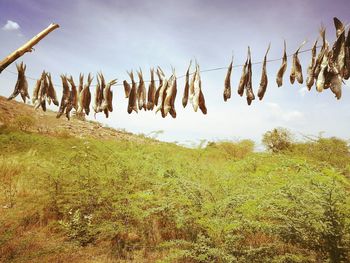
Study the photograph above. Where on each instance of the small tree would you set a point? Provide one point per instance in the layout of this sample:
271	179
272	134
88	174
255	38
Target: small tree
277	140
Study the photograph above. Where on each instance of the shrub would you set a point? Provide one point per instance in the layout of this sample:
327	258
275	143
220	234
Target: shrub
233	150
277	140
9	171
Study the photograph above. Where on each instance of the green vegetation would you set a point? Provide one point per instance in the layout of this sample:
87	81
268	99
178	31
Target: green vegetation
65	199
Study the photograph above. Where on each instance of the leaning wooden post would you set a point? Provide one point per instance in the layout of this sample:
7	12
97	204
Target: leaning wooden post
27	47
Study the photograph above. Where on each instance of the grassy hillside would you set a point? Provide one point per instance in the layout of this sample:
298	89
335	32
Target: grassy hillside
67	199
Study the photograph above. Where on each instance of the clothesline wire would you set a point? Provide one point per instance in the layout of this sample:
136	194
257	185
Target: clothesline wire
182	76
205	70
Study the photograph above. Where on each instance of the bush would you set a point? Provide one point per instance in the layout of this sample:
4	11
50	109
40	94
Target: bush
9	171
24	122
233	150
277	140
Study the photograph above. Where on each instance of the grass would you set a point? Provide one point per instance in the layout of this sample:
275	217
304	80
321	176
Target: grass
127	201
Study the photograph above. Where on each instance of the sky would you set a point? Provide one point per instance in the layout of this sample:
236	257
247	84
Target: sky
116	36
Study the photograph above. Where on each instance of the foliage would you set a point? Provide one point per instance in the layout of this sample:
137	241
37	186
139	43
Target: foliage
277	140
160	202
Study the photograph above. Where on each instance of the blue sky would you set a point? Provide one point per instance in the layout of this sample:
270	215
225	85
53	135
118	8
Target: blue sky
115	36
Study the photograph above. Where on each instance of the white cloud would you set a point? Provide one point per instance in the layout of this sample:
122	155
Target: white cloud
284	115
303	91
11	26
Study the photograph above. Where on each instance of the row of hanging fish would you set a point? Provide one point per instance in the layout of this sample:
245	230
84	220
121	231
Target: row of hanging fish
326	70
163	97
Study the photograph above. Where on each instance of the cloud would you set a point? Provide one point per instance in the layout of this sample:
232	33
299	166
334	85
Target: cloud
284	115
11	26
303	91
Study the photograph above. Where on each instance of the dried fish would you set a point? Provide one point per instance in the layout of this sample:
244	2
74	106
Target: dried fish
65	100
187	86
338	49
162	91
132	105
347	57
74	93
296	71
264	79
170	95
141	92
51	93
106	104
227	83
321	78
243	79
310	72
317	67
283	68
127	88
249	87
98	96
21	86
151	92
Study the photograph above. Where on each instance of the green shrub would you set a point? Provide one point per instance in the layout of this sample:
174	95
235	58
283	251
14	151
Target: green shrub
277	140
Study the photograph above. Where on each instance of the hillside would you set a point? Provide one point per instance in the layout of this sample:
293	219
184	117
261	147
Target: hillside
46	122
68	196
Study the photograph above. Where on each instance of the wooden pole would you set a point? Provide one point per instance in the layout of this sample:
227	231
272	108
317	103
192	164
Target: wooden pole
27	47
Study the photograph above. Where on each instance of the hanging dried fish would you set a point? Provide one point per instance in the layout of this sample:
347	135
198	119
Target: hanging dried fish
227	83
141	92
132	105
51	93
296	71
74	93
81	83
162	91
283	68
98	96
106	104
201	100
169	98
347	57
36	92
21	86
338	49
243	79
84	98
161	77
264	79
42	92
249	86
322	52
321	78
196	95
127	88
310	70
333	78
187	86
191	86
65	100
151	92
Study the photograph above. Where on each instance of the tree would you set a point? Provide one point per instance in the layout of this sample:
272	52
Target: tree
277	140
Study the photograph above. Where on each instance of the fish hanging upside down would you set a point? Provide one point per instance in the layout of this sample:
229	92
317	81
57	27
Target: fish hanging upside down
187	86
227	83
296	71
283	68
310	72
141	92
151	92
21	86
132	103
249	86
264	79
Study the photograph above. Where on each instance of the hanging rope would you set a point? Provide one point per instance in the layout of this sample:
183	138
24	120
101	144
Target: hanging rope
182	76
